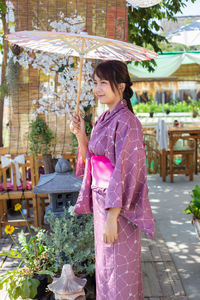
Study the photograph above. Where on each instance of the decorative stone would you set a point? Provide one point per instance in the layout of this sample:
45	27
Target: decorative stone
68	286
63	187
63	166
62	181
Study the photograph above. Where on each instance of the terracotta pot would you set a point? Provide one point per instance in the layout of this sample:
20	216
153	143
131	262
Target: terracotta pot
151	114
196	223
90	288
44	281
195	114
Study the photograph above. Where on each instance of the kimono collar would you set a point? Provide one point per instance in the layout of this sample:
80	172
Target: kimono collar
108	116
119	106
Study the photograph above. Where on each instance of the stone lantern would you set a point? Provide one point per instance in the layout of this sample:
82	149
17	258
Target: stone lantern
62	186
68	286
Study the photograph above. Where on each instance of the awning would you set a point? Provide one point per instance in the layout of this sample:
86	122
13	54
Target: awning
167	64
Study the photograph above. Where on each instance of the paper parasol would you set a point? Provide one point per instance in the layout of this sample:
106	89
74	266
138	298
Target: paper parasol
80	45
143	3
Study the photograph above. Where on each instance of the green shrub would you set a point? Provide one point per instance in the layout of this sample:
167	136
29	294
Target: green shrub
149	106
194	205
71	240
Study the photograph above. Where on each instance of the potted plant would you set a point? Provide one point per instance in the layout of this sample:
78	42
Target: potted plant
194	111
194	208
71	241
31	277
41	141
152	109
152	106
194	105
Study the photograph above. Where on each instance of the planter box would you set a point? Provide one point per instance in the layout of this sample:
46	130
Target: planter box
185	118
196	223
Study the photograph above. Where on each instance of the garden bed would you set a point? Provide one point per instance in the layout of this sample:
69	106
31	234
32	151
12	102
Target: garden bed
181	117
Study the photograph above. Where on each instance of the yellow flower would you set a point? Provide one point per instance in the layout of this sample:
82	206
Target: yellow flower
18	206
9	229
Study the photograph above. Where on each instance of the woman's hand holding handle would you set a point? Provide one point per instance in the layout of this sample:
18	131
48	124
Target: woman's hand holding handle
77	126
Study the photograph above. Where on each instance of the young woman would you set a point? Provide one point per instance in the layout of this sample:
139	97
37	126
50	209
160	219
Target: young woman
114	185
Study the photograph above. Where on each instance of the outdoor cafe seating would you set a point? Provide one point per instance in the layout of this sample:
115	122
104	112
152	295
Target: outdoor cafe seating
19	173
15	187
174	149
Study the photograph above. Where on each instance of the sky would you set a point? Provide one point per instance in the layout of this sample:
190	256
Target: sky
191	9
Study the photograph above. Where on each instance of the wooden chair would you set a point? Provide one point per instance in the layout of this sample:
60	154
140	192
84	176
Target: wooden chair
184	152
152	152
9	190
42	199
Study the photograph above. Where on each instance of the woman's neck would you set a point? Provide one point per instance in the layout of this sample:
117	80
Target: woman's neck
112	106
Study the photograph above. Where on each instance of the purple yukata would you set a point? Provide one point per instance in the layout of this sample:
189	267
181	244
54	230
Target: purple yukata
116	147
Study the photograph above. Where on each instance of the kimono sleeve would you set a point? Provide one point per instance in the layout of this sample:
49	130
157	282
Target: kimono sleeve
84	201
128	187
123	183
80	165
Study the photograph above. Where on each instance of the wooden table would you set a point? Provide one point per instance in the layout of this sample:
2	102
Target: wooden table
192	131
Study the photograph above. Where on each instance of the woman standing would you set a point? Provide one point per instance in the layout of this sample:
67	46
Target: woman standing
114	186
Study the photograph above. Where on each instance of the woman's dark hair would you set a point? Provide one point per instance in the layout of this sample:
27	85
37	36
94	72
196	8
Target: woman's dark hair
116	72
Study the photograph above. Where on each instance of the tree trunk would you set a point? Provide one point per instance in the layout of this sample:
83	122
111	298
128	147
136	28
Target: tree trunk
48	163
3	71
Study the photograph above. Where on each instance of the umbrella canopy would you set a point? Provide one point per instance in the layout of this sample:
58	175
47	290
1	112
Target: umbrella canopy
188	35
143	3
80	45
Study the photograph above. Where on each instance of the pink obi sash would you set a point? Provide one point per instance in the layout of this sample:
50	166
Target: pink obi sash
102	170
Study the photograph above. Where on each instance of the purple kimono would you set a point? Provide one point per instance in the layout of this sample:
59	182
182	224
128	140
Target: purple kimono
117	135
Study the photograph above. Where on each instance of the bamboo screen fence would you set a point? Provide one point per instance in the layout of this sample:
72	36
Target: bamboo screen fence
103	18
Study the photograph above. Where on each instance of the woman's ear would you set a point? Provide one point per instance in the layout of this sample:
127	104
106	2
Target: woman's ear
122	87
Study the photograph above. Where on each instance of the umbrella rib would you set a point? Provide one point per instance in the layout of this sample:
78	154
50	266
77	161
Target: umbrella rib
94	47
116	54
72	46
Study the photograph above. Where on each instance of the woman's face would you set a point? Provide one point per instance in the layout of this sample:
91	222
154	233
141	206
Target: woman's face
104	92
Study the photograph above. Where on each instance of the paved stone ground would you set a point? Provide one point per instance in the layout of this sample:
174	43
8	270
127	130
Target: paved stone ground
160	277
168	201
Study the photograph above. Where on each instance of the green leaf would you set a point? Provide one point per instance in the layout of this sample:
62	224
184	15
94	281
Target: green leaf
33	288
46	272
3	90
12	253
29	288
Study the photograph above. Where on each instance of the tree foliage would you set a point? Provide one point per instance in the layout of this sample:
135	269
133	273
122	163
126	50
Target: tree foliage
2	8
144	25
2	13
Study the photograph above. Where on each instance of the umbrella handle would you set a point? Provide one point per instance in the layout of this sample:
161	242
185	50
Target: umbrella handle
79	85
80	76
